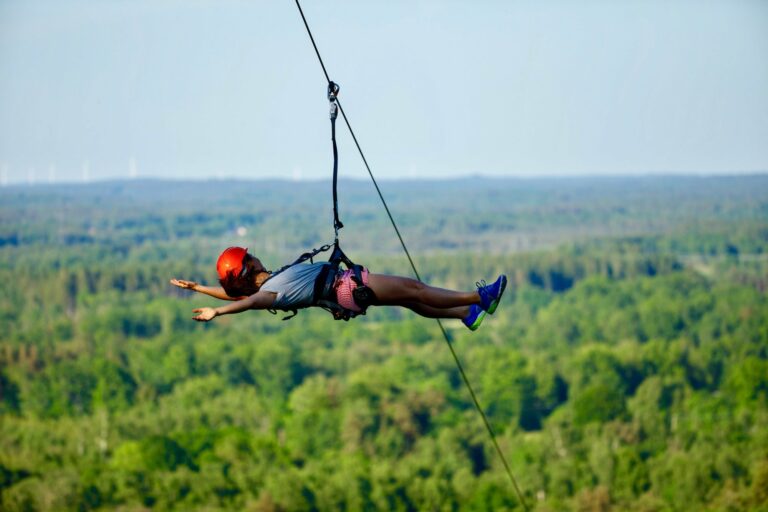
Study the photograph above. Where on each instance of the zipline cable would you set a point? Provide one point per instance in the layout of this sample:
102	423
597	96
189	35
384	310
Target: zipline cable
413	266
359	149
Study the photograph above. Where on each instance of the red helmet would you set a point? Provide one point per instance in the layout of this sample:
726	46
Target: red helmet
231	262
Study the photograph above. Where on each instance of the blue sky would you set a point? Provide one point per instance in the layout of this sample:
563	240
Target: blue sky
231	88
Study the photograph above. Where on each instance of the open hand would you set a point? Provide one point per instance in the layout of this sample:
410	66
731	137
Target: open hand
181	283
204	314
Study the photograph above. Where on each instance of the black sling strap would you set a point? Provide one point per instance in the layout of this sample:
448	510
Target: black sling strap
333	91
338	254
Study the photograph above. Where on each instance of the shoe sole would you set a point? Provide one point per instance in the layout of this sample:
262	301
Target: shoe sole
495	303
477	321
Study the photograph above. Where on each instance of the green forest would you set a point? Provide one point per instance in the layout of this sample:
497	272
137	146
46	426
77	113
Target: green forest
626	368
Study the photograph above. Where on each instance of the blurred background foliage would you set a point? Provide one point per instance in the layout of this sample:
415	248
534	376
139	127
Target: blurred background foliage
627	368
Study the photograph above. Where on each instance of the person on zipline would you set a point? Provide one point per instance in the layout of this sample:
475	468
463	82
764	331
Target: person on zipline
246	281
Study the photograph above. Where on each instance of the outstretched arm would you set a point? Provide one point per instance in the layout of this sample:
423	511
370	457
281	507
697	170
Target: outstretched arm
259	300
214	291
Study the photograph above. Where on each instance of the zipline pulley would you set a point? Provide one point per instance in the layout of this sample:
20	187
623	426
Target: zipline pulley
333	91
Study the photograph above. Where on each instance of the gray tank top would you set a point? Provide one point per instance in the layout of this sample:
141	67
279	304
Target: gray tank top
295	286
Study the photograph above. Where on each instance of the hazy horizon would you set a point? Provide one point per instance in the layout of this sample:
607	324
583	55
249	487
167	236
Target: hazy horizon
230	89
386	179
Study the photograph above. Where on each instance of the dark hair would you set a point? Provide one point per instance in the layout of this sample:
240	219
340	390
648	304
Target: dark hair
238	286
242	285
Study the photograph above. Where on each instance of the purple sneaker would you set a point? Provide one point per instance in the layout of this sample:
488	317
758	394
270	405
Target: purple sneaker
490	294
474	318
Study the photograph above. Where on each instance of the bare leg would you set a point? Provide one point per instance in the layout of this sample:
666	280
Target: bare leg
403	291
430	312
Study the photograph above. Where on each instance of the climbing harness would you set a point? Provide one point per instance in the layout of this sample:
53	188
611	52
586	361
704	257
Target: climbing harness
324	294
413	266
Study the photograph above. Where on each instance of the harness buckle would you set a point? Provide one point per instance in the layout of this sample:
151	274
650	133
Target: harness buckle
363	297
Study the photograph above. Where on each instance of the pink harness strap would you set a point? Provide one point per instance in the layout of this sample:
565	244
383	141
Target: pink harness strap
344	286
